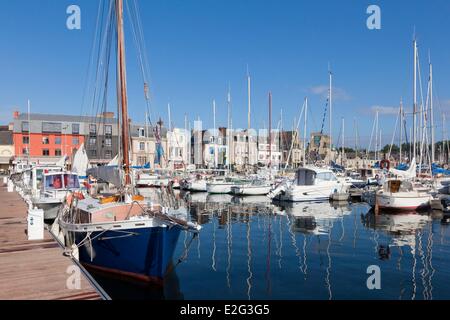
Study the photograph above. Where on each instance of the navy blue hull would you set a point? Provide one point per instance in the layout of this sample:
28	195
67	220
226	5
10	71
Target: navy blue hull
145	255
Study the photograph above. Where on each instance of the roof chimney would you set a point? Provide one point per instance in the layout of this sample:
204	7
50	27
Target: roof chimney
16	114
107	115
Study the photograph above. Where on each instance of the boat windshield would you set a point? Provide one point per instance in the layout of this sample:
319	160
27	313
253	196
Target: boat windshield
305	177
326	176
54	182
71	181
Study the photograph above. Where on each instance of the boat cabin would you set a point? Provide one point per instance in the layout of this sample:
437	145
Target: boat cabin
310	177
395	186
61	181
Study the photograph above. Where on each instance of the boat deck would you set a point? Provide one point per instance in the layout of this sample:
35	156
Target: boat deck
34	270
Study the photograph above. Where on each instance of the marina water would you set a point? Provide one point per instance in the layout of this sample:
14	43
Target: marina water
252	249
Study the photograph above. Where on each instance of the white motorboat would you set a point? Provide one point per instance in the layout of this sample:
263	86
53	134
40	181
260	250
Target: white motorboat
53	192
310	184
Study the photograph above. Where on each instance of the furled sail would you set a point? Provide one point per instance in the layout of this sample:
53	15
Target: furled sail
408	174
80	162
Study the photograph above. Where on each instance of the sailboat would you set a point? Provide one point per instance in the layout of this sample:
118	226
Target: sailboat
121	234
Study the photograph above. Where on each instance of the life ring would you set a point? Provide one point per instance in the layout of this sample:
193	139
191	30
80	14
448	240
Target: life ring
385	164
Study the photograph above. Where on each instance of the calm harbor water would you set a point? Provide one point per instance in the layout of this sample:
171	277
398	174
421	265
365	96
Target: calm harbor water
252	249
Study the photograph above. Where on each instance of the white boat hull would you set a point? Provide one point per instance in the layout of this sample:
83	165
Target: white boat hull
403	201
197	186
309	193
219	188
250	190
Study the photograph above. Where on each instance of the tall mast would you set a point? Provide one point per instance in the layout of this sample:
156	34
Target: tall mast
401	130
29	131
169	113
356	136
331	110
270	130
249	101
343	141
249	118
304	131
214	134
415	98
281	138
433	151
229	128
122	93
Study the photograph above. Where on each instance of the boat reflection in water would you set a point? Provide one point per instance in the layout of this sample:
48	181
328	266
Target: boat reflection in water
412	231
315	218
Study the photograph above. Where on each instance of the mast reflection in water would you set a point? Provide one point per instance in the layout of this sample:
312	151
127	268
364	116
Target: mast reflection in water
251	249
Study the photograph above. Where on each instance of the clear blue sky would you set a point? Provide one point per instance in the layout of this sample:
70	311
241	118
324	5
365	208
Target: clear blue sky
197	47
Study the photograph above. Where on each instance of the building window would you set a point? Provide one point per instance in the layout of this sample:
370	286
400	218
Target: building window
93	129
75	141
25	126
108	142
58	153
141	132
92	141
93	153
51	127
45	140
45	152
57	140
25	151
25	140
75	128
235	138
108	130
108	154
142	146
142	161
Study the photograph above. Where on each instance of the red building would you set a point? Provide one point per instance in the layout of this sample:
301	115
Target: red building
47	136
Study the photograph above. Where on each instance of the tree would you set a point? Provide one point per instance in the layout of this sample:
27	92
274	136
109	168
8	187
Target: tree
386	148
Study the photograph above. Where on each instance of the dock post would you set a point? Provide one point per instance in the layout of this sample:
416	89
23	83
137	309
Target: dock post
35	228
10	186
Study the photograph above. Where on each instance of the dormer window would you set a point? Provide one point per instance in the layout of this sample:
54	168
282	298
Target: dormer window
141	133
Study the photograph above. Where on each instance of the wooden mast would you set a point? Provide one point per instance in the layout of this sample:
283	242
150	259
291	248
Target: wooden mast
122	98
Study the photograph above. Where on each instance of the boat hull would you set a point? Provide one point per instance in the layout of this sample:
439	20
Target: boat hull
143	256
51	209
197	186
403	203
308	193
219	188
250	190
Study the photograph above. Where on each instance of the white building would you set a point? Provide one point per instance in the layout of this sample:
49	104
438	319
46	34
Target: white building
179	145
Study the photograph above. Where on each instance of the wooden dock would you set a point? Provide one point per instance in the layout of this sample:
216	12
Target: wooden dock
35	270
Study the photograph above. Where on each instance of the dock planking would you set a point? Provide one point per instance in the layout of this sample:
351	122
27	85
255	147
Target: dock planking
33	270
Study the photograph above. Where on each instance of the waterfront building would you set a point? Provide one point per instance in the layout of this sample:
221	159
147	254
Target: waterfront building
178	146
244	148
45	138
143	146
6	148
